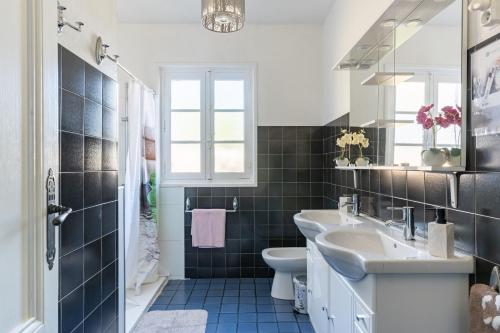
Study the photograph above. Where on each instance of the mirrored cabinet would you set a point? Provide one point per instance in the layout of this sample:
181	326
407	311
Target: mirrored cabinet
408	89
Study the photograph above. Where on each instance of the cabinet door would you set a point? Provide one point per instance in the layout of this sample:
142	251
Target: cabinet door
341	305
362	316
319	293
310	280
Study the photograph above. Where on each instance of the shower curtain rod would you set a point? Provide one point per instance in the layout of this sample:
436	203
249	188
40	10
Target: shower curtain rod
129	73
101	53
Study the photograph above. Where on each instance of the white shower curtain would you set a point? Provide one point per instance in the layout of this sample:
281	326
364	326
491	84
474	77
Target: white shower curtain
141	238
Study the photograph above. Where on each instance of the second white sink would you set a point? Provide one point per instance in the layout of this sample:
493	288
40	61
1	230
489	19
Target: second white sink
354	253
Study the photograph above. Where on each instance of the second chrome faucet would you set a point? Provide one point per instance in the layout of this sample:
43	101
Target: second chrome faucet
408	221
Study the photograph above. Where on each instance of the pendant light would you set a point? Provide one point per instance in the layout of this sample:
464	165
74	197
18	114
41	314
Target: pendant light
223	15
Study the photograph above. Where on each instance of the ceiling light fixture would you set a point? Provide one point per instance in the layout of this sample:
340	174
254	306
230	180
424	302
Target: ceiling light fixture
385	48
389	23
223	15
414	23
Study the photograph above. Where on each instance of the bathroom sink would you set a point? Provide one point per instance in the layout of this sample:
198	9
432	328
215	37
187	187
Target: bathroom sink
313	222
354	253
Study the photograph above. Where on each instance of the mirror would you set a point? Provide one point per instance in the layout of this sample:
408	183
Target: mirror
406	94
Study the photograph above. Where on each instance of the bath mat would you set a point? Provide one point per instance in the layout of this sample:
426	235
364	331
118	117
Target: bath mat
178	321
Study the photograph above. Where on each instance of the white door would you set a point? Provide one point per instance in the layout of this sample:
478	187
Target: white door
28	148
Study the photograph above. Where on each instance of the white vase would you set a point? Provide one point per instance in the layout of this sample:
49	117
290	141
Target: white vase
434	157
362	161
341	162
455	157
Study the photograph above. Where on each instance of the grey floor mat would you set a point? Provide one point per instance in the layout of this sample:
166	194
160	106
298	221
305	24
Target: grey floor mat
178	321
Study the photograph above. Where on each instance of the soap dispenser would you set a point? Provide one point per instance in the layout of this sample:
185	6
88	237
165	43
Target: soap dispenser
441	236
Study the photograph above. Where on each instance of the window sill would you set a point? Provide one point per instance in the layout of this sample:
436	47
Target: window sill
220	183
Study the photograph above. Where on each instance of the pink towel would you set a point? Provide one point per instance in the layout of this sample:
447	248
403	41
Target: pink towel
208	228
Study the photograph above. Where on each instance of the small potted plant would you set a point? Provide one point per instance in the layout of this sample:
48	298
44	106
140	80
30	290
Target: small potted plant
433	156
359	139
343	142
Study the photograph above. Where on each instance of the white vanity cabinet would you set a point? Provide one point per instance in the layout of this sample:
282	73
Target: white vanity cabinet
332	305
385	303
318	276
341	306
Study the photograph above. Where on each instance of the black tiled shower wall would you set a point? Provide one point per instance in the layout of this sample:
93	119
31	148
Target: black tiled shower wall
88	264
477	217
290	178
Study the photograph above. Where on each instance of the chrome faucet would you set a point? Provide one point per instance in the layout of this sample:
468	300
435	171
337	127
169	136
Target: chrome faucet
355	204
408	221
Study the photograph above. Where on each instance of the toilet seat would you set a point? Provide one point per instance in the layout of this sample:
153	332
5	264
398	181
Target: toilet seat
287	262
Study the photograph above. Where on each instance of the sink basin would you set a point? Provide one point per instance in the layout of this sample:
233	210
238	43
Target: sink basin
313	222
354	253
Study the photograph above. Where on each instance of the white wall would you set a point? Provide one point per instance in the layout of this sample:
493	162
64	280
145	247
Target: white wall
100	19
445	39
288	59
477	33
345	25
171	232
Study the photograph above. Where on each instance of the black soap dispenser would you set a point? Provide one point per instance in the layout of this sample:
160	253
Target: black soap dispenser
441	236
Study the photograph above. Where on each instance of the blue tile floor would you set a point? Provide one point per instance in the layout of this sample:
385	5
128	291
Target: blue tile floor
234	305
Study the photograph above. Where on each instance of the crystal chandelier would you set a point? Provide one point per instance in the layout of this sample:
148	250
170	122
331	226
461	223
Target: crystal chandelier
223	15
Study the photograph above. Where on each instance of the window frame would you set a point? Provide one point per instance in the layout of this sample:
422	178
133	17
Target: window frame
431	75
207	75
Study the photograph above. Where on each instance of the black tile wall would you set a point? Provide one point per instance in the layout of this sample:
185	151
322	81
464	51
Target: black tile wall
476	219
290	178
88	184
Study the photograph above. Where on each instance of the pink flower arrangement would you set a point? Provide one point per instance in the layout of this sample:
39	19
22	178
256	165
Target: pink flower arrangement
424	117
448	116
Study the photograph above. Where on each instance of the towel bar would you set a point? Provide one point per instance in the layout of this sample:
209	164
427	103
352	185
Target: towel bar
234	210
495	279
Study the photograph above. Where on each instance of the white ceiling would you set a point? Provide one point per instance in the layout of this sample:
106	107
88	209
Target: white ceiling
257	11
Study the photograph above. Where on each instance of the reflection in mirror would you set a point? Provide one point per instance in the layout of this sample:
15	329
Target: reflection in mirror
425	109
406	86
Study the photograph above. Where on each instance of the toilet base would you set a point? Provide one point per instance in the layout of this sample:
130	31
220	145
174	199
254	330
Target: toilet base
283	286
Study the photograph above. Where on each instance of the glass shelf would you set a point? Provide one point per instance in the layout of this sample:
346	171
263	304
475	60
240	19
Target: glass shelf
407	168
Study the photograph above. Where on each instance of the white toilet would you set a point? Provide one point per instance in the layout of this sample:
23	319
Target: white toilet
287	262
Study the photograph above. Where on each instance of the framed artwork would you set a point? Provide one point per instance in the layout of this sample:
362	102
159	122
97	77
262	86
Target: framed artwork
485	87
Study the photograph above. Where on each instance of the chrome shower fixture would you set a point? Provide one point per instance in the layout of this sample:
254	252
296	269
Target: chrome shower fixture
101	52
61	21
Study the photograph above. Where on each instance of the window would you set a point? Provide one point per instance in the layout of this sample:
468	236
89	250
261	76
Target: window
209	125
441	87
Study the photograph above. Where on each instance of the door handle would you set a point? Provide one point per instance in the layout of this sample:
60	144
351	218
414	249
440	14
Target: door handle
61	210
52	220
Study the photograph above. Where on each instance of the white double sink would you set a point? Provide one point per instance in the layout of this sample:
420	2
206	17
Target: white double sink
356	246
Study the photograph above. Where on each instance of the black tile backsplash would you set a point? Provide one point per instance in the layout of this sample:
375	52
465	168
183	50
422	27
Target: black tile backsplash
476	219
88	184
71	117
92	118
72	72
290	178
72	151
